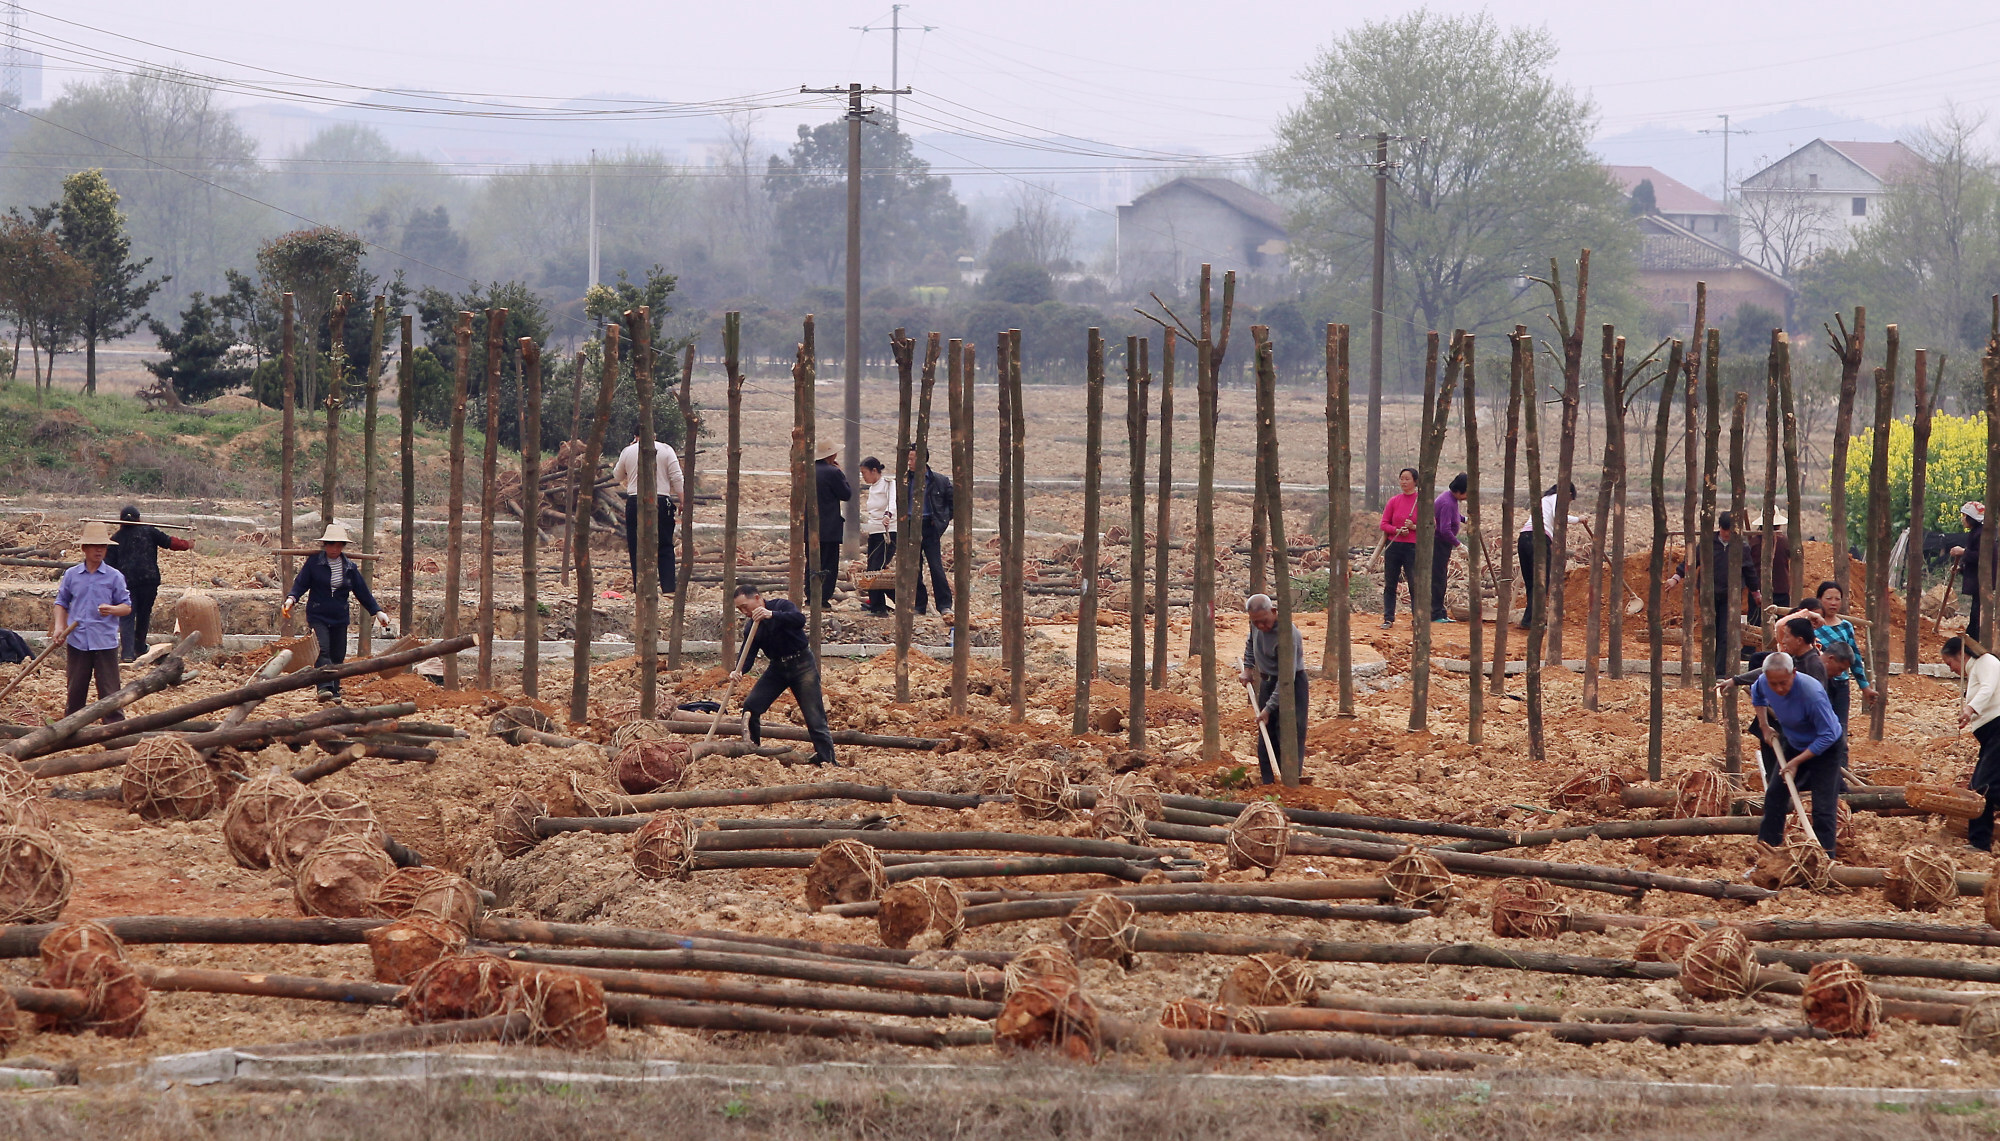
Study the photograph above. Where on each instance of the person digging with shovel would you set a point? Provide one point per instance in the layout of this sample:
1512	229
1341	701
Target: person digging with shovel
1260	662
1798	706
778	629
325	582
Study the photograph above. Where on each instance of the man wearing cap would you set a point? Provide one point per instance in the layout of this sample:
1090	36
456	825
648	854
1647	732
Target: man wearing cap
1781	556
1260	660
830	483
93	594
325	582
1974	515
666	488
136	554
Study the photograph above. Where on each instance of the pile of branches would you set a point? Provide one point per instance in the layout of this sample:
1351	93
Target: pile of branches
553	514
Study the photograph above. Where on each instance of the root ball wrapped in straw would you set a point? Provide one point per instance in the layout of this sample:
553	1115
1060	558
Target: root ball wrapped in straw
339	878
514	825
1118	817
1194	1014
1700	792
303	823
1048	1011
35	876
1139	788
1666	940
1269	979
1042	792
24	812
1596	791
80	936
166	779
1837	999
459	987
914	907
1718	965
845	871
451	898
14	780
1979	1029
663	847
1039	960
651	764
1258	837
395	893
1419	879
635	731
246	827
1102	927
115	995
1921	879
401	950
1526	908
564	1009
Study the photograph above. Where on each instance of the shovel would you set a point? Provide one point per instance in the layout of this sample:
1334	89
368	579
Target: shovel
729	684
30	667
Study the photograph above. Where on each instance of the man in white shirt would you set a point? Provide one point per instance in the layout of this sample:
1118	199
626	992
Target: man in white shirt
667	488
878	526
1529	550
1980	712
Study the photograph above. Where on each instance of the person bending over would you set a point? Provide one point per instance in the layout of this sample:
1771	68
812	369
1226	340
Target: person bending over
781	638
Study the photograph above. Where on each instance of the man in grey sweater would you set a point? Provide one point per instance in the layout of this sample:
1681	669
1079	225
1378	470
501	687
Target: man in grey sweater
1260	657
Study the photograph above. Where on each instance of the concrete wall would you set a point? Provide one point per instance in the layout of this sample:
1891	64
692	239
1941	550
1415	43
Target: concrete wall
1166	236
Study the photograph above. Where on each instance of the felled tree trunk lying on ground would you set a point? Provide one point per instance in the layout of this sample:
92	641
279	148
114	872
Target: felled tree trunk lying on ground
1281	1018
276	729
1301	889
764	838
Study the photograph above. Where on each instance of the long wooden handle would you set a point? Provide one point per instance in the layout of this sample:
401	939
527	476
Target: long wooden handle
1798	806
1262	728
729	684
1950	577
58	640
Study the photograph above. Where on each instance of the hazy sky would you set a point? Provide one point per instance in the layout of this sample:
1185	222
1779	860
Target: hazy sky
1164	74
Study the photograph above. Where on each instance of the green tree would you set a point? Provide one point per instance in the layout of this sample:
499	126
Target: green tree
912	225
92	230
43	288
312	265
1019	283
1497	173
203	359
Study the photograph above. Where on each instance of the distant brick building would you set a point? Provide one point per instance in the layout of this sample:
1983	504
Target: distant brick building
1672	259
1166	233
1678	202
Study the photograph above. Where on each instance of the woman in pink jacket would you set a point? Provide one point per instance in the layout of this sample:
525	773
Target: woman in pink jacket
1399	556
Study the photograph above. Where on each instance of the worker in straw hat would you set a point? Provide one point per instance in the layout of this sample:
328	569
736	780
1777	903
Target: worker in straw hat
1967	555
1781	556
93	594
325	582
830	484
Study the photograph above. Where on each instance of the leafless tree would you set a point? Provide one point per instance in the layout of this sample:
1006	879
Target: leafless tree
1045	232
1784	225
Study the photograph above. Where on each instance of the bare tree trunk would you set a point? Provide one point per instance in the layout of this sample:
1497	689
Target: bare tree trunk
1260	547
593	451
920	479
1707	586
372	386
959	377
1163	525
1913	573
1437	421
732	342
909	505
1878	537
1694	552
691	425
1475	553
1201	635
1615	417
646	575
454	555
1538	571
329	478
1767	537
1593	620
1989	537
1018	447
570	490
1566	447
1656	633
489	490
808	470
1290	761
1504	600
531	514
1732	584
1848	345
1794	482
288	447
406	410
1009	557
1093	476
1137	381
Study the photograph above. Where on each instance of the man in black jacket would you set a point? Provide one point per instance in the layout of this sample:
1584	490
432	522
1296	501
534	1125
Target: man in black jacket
936	504
834	490
781	638
1967	554
1719	585
137	557
325	582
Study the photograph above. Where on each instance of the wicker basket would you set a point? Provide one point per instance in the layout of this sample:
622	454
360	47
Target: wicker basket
865	579
1944	800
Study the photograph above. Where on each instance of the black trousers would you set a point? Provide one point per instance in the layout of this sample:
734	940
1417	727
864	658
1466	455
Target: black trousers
881	548
133	628
800	674
829	568
1399	562
1970	589
1818	778
1441	550
1979	829
82	666
1838	694
933	557
332	647
666	529
1267	765
1722	618
1529	551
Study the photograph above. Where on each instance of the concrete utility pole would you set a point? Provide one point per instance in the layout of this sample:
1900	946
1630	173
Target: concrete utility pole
850	452
593	218
895	52
1374	458
1725	131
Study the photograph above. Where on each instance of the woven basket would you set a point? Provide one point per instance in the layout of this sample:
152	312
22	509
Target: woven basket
1944	800
865	579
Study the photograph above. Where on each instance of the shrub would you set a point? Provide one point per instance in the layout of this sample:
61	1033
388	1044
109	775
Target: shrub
1954	474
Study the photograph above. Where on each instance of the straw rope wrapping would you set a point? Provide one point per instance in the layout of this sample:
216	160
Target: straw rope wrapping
35	876
1039	960
1270	979
1843	824
1140	788
845	871
1718	965
1042	791
1838	1000
564	1010
1807	865
1597	791
340	877
663	847
10	1021
1526	908
1420	879
115	996
1921	879
632	732
246	827
166	779
514	825
14	780
1050	1011
1101	927
459	987
401	950
451	898
1979	1030
80	936
651	764
591	801
24	812
1118	816
394	894
300	825
1194	1014
1700	793
909	909
1666	940
1258	837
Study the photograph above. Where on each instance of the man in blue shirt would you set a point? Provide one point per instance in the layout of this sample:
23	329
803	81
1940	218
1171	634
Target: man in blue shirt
93	595
1815	740
781	636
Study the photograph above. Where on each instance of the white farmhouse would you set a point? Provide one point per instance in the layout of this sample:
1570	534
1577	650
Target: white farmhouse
1815	198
